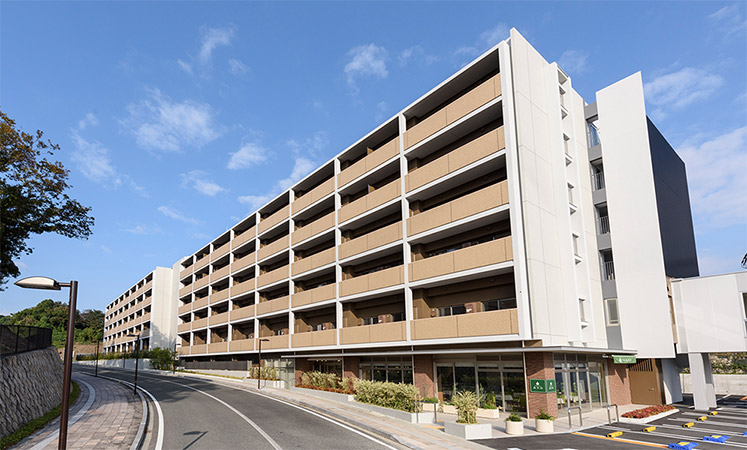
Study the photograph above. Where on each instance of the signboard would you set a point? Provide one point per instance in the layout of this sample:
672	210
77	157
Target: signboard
543	386
623	359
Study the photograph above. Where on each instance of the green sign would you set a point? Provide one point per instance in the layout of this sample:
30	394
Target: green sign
543	386
623	359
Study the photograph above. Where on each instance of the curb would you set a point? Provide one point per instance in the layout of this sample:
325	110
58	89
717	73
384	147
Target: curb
137	443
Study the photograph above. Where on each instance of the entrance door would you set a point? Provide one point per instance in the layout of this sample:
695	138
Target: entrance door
645	382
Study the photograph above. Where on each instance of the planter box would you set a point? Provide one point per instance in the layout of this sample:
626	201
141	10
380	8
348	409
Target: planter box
649	418
277	384
514	428
469	431
544	425
484	413
424	417
332	396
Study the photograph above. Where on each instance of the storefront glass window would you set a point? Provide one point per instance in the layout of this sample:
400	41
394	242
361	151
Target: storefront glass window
445	379
465	378
514	393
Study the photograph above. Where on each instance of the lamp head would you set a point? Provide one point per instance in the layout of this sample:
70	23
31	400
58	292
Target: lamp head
45	283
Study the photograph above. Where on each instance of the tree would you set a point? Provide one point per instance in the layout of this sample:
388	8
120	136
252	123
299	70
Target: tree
89	324
33	198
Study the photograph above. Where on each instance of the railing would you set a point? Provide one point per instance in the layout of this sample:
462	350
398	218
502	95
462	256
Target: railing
603	224
609	270
617	413
598	180
18	339
580	416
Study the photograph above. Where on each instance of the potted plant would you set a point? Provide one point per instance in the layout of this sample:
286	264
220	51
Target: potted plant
488	408
514	424
543	422
466	426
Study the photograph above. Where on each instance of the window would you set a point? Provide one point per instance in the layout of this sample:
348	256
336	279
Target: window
592	134
451	310
570	195
613	317
494	305
575	245
582	310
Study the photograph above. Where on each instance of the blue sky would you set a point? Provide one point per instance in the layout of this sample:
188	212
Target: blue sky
177	119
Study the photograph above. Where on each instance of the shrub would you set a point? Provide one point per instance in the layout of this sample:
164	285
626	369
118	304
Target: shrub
264	373
544	416
466	404
430	400
348	384
489	402
403	397
162	358
513	417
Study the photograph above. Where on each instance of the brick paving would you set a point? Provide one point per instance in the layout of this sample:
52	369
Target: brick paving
111	421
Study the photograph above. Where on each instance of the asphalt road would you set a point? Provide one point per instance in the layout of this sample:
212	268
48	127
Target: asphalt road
200	414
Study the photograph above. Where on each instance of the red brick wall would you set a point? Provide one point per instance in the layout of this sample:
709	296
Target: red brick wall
423	375
302	365
540	366
351	365
619	383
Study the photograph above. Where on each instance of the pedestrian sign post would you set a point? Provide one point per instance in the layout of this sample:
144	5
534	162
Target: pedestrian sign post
543	386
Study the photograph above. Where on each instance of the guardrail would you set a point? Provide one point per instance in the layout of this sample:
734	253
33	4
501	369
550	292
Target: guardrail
580	416
617	413
19	339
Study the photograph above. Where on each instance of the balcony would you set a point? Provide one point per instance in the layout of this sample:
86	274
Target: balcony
597	181
370	241
315	295
372	200
272	248
184	327
313	195
220	273
278	274
200	303
470	101
314	338
242	288
217	319
202	282
275	342
382	332
608	270
218	347
245	261
463	156
277	304
242	345
603	225
202	262
314	228
199	349
312	262
185	290
242	313
244	237
220	251
487	198
199	323
184	272
490	323
276	217
369	162
487	253
373	281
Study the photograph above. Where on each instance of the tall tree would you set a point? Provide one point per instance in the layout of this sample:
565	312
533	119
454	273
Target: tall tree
33	198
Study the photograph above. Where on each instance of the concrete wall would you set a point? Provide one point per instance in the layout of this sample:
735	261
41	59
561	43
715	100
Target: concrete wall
163	308
725	384
128	364
30	386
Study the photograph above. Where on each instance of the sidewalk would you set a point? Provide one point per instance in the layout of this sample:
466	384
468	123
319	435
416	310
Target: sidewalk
106	415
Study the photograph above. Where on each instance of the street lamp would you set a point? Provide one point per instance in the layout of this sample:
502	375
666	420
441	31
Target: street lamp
49	284
259	361
137	354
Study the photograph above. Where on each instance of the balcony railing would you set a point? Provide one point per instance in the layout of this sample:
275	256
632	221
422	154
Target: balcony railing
598	180
603	224
609	270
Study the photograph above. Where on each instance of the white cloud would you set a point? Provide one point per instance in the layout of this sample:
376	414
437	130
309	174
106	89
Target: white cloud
199	181
715	172
106	249
237	67
254	201
211	39
89	120
159	123
413	53
573	61
185	66
142	229
729	20
301	168
710	263
486	40
366	61
679	89
177	215
382	108
250	154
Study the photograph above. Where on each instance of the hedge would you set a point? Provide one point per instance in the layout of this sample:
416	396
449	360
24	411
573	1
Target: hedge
389	395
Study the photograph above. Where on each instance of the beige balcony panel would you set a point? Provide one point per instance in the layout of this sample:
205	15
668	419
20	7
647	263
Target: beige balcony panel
431	267
477	149
200	303
314	195
352	209
355	335
424	175
383	194
217	319
182	327
244	237
277	217
242	345
184	309
243	288
382	154
185	290
440	215
353	286
145	318
271	277
434	328
386	332
478	96
220	273
385	278
267	250
199	349
352	172
302	234
324	337
318	226
202	262
277	304
183	350
492	252
199	323
479	201
302	298
301	340
242	313
488	323
184	272
246	261
147	301
354	246
218	347
427	127
312	262
315	295
276	342
220	251
202	282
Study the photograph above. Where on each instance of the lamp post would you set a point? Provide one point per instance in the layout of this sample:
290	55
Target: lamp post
49	284
137	355
259	361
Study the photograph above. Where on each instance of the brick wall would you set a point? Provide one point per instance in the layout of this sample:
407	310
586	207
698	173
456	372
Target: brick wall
423	375
539	365
351	365
302	365
619	383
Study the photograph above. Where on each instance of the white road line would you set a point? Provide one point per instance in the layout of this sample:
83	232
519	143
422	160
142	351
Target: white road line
143	422
75	418
248	420
698	429
676	436
715	422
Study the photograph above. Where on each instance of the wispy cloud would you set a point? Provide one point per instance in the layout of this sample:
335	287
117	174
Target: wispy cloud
200	182
486	40
89	120
210	39
249	155
142	229
573	61
237	67
177	215
365	61
161	124
416	52
676	90
381	109
730	21
254	201
105	249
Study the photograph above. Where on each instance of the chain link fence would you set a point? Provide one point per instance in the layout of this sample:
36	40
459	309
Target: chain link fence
18	339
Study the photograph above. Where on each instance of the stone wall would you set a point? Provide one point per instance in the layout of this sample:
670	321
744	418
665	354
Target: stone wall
540	366
619	384
30	386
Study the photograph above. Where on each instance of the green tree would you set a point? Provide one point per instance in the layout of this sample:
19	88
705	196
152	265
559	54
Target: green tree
33	197
89	324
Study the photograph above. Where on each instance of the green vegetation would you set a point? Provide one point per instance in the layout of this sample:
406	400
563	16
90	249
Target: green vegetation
430	400
466	404
162	358
489	402
39	423
513	417
329	382
264	373
389	395
727	363
544	416
89	324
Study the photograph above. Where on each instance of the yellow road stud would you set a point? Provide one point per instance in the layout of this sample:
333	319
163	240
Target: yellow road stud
688	424
702	418
649	429
713	413
614	434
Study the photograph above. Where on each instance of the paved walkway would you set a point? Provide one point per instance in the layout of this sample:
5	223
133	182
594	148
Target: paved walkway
107	415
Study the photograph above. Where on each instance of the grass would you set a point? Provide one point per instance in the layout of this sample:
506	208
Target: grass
39	423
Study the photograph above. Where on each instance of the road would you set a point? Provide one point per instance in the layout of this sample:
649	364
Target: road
202	414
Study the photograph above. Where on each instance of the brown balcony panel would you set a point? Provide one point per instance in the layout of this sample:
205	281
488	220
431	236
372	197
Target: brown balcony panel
315	338
145	318
200	303
217	319
317	227
242	313
146	302
243	288
185	290
476	202
480	255
202	262
246	261
377	280
220	273
275	342
425	128
369	162
315	295
271	277
199	323
183	327
202	282
271	249
218	347
277	304
242	345
184	272
220	251
312	262
382	332
314	195
370	201
199	349
277	217
244	237
383	236
184	309
491	323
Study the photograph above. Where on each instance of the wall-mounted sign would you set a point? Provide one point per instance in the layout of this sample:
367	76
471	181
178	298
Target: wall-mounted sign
623	359
542	386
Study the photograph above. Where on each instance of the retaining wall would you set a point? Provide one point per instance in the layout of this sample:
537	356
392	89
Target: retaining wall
724	384
30	386
119	363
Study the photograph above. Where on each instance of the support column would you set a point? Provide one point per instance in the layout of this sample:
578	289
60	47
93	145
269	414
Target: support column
619	384
422	375
351	365
540	366
704	392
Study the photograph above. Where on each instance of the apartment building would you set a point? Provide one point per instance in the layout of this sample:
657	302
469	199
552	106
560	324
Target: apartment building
499	229
145	311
